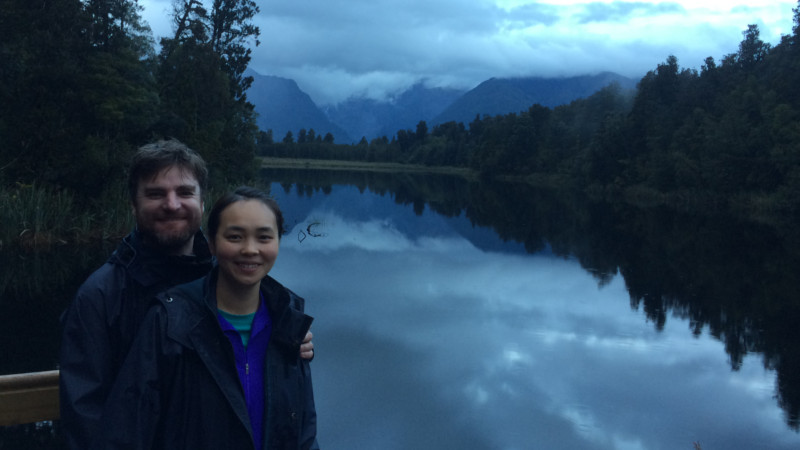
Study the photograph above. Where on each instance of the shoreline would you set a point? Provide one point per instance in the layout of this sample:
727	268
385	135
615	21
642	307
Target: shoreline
319	164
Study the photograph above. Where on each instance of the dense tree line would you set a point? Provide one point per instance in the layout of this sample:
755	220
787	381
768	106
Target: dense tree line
82	85
726	136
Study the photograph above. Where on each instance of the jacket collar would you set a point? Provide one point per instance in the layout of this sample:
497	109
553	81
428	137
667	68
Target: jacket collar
289	325
147	265
193	322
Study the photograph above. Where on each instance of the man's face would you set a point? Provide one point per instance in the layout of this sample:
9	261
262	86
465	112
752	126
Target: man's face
169	209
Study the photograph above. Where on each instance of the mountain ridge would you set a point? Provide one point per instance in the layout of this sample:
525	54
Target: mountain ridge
497	96
283	107
385	118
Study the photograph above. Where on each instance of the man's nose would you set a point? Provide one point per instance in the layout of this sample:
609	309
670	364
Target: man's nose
171	201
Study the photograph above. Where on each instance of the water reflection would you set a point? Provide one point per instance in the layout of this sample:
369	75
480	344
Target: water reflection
430	340
443	339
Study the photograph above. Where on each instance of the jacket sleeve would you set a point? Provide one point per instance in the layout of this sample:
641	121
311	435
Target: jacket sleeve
308	434
86	367
133	409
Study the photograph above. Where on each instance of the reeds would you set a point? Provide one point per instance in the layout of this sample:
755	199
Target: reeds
34	217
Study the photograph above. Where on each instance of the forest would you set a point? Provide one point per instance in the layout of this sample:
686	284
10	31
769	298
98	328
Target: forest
83	84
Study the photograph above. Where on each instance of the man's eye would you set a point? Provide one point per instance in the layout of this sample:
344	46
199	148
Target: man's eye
186	193
233	237
154	194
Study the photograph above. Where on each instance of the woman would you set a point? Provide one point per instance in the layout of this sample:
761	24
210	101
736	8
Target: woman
216	363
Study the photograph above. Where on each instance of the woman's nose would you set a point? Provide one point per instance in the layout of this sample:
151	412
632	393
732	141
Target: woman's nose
249	247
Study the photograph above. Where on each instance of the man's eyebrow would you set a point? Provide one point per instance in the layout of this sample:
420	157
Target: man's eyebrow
182	187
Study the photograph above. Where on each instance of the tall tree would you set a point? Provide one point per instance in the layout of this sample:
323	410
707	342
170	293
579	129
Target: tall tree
752	49
202	84
232	33
117	23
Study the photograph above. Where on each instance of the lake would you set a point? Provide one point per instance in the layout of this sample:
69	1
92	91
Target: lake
458	315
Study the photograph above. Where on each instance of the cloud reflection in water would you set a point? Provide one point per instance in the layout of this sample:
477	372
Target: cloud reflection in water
426	341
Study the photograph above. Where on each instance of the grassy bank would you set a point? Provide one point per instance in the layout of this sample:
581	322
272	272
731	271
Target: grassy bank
537	180
297	163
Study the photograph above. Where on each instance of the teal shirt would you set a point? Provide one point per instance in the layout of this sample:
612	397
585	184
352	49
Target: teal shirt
243	324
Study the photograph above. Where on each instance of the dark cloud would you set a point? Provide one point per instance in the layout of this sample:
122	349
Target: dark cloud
532	14
624	11
377	48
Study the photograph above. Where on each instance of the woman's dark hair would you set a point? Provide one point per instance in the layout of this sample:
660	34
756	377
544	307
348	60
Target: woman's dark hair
240	194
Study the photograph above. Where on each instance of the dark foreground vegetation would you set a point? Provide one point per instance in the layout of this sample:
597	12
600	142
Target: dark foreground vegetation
82	85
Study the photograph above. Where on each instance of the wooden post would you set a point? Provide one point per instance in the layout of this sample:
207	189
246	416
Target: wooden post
28	397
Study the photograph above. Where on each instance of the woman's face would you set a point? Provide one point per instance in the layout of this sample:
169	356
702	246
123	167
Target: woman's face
246	243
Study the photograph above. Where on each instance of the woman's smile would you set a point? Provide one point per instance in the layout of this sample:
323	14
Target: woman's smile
246	244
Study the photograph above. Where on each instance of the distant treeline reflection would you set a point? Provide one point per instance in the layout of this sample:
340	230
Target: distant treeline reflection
734	279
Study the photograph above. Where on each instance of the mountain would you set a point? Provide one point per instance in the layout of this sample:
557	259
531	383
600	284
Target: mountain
283	107
511	95
369	118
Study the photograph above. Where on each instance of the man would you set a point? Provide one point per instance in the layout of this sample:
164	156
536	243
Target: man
166	182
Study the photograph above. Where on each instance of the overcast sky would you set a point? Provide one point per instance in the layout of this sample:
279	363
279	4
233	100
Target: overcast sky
335	49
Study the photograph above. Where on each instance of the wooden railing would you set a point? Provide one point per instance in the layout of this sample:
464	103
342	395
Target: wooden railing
28	397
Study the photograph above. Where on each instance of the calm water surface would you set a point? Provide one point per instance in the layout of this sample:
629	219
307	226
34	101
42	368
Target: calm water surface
432	334
458	316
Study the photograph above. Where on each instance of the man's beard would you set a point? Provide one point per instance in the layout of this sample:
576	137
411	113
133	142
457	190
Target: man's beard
168	241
